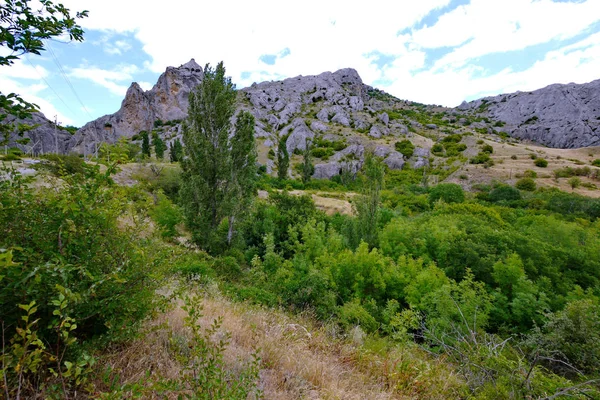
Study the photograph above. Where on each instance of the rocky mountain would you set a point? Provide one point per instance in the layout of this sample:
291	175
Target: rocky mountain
328	108
166	101
563	116
340	117
41	136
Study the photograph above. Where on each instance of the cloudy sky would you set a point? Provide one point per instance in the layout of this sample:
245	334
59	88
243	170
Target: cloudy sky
430	51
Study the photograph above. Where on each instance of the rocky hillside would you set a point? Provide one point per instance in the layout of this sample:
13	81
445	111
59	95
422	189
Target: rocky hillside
40	135
340	117
335	112
563	116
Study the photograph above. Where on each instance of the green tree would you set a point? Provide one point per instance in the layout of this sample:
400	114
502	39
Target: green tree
219	172
159	146
145	144
308	168
22	31
176	151
283	158
368	204
448	192
574	182
527	184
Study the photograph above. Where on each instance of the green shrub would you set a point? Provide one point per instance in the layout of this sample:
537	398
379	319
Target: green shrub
447	192
61	165
480	158
504	193
167	216
596	162
322	152
72	269
353	313
487	149
11	157
405	147
437	149
530	174
540	162
574	182
571	337
526	184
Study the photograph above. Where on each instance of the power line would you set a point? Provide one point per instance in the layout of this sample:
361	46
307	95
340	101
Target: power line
66	78
48	84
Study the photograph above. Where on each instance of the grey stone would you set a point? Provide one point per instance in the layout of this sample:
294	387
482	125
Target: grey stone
564	116
384	118
421	152
318	126
382	151
361	124
327	171
395	160
299	137
375	132
431	126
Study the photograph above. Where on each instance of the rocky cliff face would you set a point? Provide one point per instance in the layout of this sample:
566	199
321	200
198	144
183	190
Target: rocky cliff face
43	137
564	116
166	101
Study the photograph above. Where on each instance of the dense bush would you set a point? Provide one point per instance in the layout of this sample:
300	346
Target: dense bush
504	193
405	147
61	165
480	158
72	270
527	184
540	162
447	192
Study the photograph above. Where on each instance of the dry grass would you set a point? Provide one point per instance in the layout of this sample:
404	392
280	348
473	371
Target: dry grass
507	168
299	358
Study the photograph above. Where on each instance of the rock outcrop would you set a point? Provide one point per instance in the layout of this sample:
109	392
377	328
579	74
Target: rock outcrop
564	116
166	101
42	137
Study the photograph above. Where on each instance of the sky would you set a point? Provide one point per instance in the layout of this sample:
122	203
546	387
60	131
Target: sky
428	51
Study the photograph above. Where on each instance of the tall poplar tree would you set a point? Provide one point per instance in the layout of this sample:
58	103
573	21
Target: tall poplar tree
145	144
219	172
367	204
159	146
283	158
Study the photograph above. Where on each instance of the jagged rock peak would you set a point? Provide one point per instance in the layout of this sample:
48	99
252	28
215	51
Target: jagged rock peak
192	65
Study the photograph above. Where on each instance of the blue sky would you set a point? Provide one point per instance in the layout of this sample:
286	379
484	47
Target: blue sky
430	51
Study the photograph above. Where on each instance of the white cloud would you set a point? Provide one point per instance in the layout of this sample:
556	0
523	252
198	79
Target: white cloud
495	26
145	85
32	93
328	35
453	86
320	35
116	81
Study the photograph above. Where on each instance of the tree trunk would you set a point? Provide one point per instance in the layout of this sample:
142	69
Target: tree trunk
230	231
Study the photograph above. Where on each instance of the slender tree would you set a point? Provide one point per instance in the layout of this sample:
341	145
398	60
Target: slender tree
308	168
159	146
367	204
283	158
145	144
176	151
219	170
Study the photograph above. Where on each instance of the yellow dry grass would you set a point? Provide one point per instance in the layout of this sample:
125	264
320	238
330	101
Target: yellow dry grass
299	359
512	160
